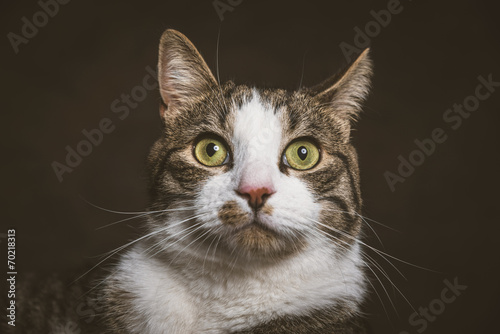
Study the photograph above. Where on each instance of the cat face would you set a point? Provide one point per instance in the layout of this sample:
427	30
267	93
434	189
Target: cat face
261	173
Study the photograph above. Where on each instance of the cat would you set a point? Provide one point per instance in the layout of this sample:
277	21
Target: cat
255	198
254	221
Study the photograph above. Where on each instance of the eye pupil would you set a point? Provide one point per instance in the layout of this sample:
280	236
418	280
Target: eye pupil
302	153
212	149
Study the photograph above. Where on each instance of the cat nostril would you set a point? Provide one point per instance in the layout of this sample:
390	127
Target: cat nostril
256	197
244	195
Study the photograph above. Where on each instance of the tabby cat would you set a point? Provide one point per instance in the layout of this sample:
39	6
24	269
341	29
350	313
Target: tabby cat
254	217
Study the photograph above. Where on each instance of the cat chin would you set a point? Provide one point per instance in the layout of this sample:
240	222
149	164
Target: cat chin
259	239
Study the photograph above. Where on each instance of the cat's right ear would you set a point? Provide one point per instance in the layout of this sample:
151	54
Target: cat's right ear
183	75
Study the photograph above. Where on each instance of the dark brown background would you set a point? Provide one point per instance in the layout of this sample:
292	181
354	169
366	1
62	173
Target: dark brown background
427	59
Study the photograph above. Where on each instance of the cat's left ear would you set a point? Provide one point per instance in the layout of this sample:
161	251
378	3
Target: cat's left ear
343	94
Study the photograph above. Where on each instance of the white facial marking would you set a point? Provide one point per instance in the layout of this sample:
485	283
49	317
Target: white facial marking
257	139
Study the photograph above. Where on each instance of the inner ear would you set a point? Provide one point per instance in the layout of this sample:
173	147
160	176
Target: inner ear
342	95
184	76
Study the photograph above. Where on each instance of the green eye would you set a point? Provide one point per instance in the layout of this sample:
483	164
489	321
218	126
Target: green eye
210	152
301	155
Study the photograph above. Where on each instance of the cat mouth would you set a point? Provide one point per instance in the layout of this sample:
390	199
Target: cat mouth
257	224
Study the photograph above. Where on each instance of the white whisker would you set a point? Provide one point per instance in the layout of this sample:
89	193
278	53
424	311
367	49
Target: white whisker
146	214
128	212
127	245
357	240
382	254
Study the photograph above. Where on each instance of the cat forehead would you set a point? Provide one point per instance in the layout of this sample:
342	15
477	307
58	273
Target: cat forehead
267	107
254	119
265	115
242	113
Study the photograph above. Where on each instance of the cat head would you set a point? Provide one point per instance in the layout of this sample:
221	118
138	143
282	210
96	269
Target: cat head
263	172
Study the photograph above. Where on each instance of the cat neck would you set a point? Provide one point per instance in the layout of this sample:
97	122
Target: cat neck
212	295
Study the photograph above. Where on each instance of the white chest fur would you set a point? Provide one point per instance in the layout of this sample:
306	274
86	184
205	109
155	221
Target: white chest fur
184	300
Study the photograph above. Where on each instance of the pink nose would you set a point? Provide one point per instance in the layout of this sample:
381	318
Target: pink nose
255	196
